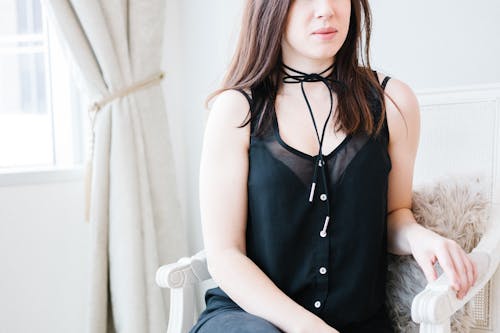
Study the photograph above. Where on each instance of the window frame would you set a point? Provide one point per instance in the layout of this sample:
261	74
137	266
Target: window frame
62	170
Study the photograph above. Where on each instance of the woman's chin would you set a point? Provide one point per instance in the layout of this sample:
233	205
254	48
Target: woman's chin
321	53
321	56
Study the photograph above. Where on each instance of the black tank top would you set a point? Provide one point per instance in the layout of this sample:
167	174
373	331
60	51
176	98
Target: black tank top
338	272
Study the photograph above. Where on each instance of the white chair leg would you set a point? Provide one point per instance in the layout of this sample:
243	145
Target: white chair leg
182	309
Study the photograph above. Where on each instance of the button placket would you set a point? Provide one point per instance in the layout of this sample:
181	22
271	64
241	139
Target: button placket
322	260
319	177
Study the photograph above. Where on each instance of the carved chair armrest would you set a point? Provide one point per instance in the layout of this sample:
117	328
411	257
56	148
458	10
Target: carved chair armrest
186	271
438	302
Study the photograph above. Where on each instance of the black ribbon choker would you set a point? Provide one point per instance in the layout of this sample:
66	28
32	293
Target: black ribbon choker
319	162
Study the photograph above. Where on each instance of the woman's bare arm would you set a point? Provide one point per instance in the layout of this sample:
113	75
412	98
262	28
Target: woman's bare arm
405	235
223	201
404	134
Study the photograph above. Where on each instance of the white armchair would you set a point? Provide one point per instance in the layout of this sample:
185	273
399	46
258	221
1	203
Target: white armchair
460	134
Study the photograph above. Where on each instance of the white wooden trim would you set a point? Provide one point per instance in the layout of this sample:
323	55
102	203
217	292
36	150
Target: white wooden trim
473	94
19	177
462	94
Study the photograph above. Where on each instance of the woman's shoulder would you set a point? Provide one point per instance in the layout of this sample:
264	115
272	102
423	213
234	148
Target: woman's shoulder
228	112
402	107
401	92
230	107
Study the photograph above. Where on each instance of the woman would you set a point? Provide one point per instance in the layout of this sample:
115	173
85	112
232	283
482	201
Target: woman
302	189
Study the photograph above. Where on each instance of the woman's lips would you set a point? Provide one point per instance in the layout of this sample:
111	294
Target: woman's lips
326	36
325	33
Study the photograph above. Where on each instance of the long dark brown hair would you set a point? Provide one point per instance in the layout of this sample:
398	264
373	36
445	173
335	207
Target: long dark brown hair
257	67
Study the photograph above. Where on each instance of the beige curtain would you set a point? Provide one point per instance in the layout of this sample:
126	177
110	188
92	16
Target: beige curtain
134	211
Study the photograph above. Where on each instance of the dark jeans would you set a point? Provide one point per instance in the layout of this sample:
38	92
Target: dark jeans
234	321
222	315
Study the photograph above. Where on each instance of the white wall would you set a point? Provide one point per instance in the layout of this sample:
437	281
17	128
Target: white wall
437	44
44	247
201	36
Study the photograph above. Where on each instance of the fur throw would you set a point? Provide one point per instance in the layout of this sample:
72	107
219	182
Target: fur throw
456	208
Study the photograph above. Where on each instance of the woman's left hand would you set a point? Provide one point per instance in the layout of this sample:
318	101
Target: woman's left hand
428	247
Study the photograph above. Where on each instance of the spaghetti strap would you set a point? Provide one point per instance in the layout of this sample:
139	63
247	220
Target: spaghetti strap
384	82
247	96
251	105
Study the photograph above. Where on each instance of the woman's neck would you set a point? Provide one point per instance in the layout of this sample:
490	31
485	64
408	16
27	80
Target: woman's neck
310	66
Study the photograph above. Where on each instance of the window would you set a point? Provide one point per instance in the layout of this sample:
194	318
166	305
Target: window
40	113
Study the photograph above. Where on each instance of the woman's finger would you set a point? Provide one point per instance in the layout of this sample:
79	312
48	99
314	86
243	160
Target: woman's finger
475	270
428	269
470	268
446	262
461	268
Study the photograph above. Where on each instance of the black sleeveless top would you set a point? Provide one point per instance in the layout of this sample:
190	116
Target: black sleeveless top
339	274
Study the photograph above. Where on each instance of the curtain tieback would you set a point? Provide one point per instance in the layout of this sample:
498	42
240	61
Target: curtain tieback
93	109
96	106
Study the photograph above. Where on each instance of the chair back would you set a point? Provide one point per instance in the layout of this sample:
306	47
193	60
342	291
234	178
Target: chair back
460	135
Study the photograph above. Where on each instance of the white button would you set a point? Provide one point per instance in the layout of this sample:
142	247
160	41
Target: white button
317	304
322	233
323	197
322	270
